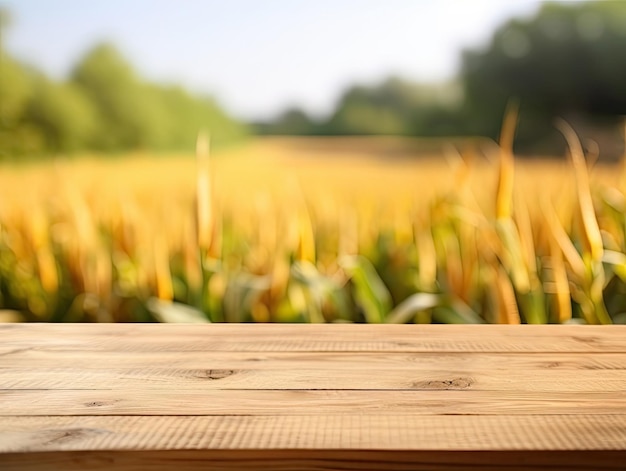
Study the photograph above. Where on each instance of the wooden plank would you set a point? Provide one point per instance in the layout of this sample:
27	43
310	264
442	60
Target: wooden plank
320	460
314	432
341	332
30	358
322	397
175	379
315	338
299	330
151	402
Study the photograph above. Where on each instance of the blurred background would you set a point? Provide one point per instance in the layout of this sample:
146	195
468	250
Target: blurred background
146	75
345	160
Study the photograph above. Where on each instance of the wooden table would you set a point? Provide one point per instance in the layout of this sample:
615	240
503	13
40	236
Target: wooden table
228	397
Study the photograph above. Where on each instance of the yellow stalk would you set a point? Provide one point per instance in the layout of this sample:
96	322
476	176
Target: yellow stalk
524	227
303	229
306	246
45	260
47	270
191	257
403	231
38	228
513	256
83	220
469	257
103	273
454	264
427	257
622	164
504	195
203	195
348	232
509	313
464	172
165	290
592	238
215	249
460	168
259	312
572	256
559	275
280	277
267	236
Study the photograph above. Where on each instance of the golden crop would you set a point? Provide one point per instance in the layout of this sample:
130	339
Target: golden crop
314	230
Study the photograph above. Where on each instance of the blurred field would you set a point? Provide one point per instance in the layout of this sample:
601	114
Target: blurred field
313	230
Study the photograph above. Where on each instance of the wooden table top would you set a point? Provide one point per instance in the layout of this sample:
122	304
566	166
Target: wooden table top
285	396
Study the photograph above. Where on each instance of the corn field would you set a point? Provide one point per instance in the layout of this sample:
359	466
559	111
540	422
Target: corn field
270	233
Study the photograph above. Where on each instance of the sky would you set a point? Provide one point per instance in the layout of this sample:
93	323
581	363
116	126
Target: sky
258	57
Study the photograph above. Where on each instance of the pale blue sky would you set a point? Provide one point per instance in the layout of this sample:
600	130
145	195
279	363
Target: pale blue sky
260	56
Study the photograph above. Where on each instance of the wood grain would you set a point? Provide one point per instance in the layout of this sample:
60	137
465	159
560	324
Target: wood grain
31	358
223	396
177	379
314	338
148	402
295	432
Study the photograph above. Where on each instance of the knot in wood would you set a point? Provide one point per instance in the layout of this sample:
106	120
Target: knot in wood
217	374
455	383
96	404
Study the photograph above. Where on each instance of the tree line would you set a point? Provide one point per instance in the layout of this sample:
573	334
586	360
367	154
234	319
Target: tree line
565	61
104	105
568	60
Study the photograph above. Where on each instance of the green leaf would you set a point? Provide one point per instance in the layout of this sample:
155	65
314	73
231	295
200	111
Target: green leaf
407	309
618	261
242	291
456	312
370	291
320	291
171	312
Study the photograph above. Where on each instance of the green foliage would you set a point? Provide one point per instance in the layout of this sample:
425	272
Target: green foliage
138	115
63	115
293	121
188	113
15	91
118	96
395	107
15	95
565	61
104	106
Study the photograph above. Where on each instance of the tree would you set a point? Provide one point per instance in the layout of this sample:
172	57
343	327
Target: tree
15	90
5	22
396	107
188	114
136	114
104	106
128	114
65	118
293	121
383	109
565	61
16	136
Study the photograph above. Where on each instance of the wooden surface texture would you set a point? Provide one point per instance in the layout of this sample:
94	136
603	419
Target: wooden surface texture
285	396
